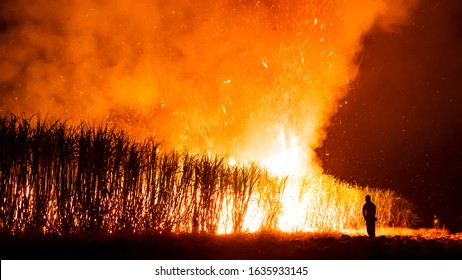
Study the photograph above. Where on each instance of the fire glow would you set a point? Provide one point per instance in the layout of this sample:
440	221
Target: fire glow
254	80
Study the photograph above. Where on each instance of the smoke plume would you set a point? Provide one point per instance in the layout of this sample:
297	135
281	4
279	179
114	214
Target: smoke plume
225	76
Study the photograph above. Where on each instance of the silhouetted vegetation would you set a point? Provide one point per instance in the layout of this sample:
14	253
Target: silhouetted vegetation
72	179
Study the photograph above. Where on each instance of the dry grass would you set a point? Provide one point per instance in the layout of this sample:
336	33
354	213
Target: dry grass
75	179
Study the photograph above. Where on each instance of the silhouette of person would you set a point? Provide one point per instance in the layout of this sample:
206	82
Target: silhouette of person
436	222
369	210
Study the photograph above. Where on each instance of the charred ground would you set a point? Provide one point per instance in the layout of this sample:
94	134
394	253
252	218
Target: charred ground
242	246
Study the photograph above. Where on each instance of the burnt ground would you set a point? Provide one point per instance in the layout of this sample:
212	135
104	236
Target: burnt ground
242	246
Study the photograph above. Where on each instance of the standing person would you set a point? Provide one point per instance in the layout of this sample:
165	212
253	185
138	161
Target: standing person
436	222
369	210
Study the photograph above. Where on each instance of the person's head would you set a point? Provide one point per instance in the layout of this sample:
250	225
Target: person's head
368	198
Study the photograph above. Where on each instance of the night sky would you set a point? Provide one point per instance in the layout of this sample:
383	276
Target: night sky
400	127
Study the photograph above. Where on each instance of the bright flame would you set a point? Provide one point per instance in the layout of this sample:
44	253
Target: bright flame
286	160
287	157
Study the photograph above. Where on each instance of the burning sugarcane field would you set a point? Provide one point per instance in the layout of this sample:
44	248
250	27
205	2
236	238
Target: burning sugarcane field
230	129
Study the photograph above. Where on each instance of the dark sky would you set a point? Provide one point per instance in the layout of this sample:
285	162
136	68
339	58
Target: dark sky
400	127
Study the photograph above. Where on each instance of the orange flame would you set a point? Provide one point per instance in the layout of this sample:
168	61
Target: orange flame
287	159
